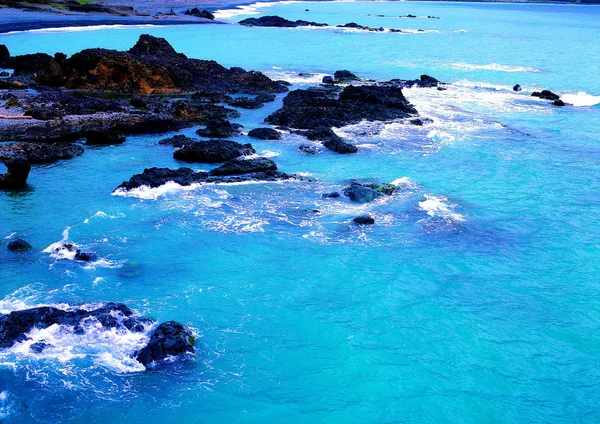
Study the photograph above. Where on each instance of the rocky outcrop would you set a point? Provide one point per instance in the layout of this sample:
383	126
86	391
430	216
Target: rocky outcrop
517	87
244	166
277	22
156	177
367	192
80	255
19	246
220	128
309	150
16	175
312	109
196	12
36	153
213	151
546	95
152	66
104	138
169	339
4	54
246	103
345	76
15	325
330	140
265	134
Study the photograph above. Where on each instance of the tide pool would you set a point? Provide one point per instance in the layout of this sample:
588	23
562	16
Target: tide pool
474	297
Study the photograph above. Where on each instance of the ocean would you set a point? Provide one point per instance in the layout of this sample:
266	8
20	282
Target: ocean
475	297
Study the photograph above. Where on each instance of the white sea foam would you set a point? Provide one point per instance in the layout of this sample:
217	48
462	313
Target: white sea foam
148	193
57	250
492	67
85	28
581	99
297	78
440	206
11	235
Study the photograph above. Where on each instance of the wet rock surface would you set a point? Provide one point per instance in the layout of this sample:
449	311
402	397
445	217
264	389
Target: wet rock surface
244	166
36	153
220	128
169	339
19	246
213	151
17	173
265	134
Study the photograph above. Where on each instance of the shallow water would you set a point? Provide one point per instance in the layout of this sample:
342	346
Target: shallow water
473	298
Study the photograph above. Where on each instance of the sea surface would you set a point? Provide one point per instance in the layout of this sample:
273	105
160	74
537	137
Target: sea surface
474	298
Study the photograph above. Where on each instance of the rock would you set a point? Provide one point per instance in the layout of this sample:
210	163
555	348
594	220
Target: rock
177	141
265	134
108	137
207	95
156	177
36	153
40	68
338	145
559	103
244	166
44	114
15	325
345	76
546	95
213	151
85	256
4	74
328	79
16	175
311	109
517	88
246	103
265	98
169	339
361	194
138	102
277	22
13	102
19	245
4	54
308	149
39	346
364	220
332	195
219	128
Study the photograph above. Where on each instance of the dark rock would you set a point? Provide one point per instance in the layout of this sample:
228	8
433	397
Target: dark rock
177	141
338	145
309	109
364	220
278	22
155	177
169	339
219	128
19	245
559	103
60	57
425	81
39	346
138	102
244	166
206	14
361	194
207	95
308	149
43	113
517	88
265	98
85	256
332	195
345	76
265	134
15	325
4	74
16	175
328	79
108	137
39	67
246	103
213	151
546	95
36	153
4	54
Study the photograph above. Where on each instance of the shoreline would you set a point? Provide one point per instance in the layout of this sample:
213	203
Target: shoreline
19	20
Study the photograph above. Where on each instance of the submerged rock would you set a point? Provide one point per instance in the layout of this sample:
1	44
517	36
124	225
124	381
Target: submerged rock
16	176
169	339
244	166
308	149
364	220
219	128
367	192
19	246
213	151
265	134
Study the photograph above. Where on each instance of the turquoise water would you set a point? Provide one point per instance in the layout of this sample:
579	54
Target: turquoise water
474	298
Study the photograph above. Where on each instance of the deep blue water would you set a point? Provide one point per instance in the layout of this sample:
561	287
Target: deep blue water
474	298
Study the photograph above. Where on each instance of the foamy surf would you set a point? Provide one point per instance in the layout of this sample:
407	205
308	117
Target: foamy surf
85	28
581	99
492	67
440	206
